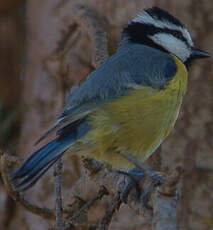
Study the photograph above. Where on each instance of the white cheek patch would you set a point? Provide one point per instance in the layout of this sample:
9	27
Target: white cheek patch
172	45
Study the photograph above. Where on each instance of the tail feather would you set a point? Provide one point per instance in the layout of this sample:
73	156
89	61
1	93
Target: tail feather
40	161
28	182
34	160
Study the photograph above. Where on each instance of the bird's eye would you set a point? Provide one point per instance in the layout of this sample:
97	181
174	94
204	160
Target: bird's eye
178	35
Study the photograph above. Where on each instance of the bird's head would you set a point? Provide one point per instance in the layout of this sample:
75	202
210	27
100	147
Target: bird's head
157	28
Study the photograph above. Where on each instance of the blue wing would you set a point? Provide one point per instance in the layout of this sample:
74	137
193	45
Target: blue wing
132	65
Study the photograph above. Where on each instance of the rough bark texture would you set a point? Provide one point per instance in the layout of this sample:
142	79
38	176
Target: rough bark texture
45	81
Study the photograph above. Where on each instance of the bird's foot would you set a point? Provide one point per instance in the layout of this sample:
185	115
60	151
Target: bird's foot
135	175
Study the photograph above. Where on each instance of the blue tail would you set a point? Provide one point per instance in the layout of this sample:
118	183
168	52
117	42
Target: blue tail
40	161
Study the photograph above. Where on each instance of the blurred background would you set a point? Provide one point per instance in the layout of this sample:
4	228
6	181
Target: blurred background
33	85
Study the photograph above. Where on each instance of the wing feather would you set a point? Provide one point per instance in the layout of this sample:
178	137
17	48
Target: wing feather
124	71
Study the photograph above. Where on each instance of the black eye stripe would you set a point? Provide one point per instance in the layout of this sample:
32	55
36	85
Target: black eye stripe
176	34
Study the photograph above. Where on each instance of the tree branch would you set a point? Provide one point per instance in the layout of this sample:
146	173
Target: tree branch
114	183
58	202
113	207
94	24
84	208
43	212
165	203
91	22
164	200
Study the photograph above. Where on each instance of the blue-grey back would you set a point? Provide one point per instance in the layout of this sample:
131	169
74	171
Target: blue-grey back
132	64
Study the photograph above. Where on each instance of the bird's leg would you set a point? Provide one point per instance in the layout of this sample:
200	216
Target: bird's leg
149	172
135	175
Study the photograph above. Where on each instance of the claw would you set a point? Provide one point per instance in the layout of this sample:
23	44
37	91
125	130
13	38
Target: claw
135	175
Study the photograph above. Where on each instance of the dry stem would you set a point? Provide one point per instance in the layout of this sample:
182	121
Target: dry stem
18	197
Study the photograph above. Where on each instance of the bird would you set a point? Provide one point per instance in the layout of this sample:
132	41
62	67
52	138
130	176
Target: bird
128	104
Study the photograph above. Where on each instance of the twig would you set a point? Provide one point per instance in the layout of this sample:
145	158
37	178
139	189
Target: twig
189	163
165	202
114	205
55	64
9	212
102	192
91	22
43	212
164	212
58	202
86	18
169	188
165	197
47	213
115	182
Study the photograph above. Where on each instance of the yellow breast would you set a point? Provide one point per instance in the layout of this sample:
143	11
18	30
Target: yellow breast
137	123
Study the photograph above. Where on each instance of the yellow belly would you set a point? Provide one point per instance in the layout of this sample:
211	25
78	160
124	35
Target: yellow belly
136	123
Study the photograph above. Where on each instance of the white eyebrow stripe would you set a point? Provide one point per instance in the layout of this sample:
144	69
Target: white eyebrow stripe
145	18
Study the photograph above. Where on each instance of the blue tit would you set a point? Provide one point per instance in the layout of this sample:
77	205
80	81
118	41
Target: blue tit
128	104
